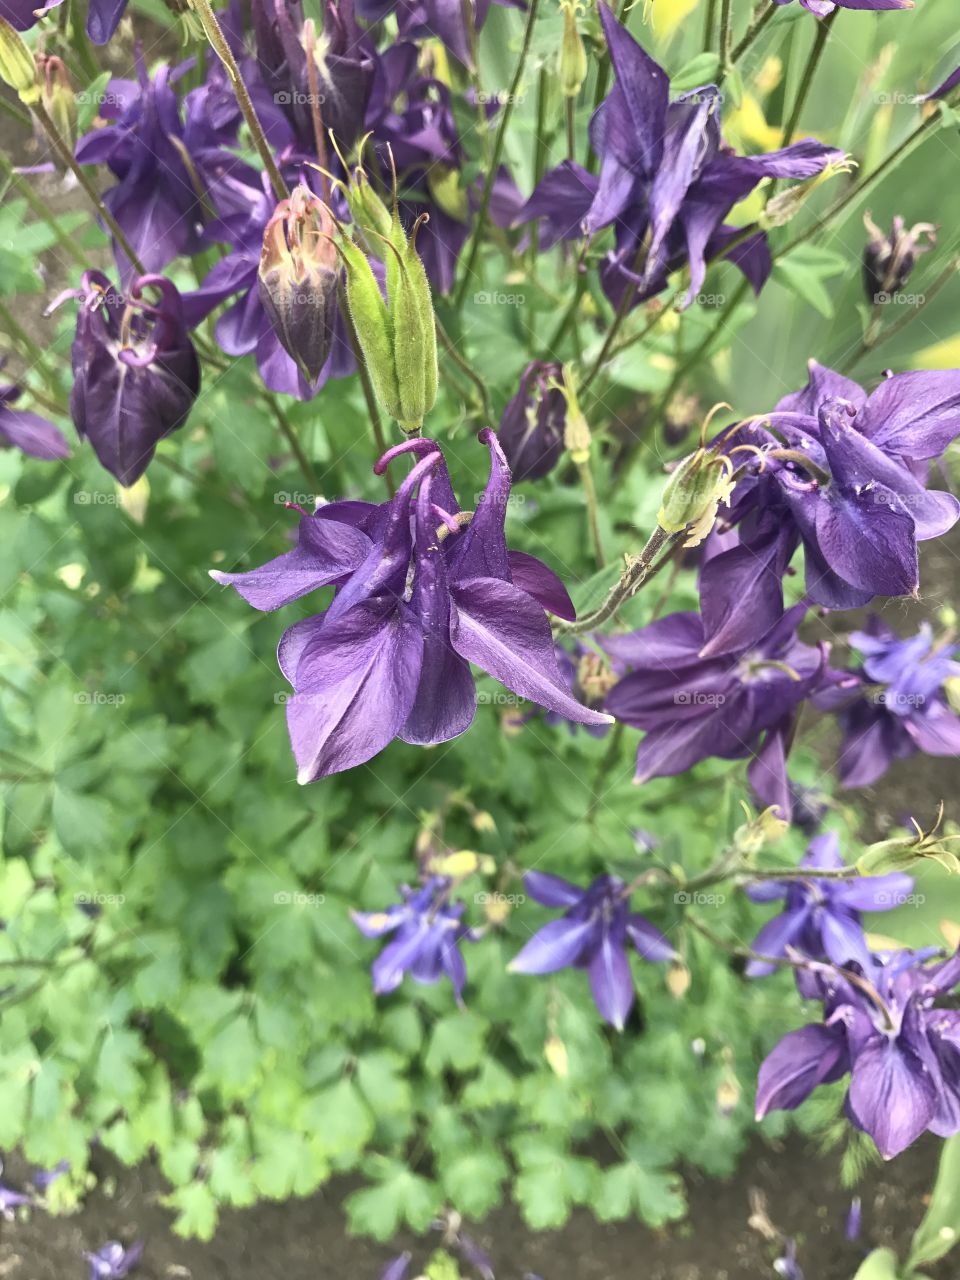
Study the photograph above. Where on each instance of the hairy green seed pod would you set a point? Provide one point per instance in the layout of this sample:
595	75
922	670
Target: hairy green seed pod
694	489
419	286
373	324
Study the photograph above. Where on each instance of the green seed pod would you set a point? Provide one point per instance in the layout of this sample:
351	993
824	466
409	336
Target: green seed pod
408	350
17	67
696	487
419	286
58	97
369	214
573	56
373	324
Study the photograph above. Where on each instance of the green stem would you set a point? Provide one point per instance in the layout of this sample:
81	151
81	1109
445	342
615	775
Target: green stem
726	31
465	367
67	158
758	23
494	164
570	116
293	440
709	22
14	112
46	215
221	48
540	139
31	350
590	494
638	570
824	27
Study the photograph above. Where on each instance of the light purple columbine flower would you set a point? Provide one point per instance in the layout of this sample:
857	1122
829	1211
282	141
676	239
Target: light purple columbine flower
398	1268
823	8
842	473
902	1051
427	932
821	918
44	1178
592	934
26	431
666	183
11	1200
135	371
112	1261
423	590
896	704
694	706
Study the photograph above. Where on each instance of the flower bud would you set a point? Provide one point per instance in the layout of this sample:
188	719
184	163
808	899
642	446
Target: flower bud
694	491
58	97
298	279
573	56
577	437
784	207
555	1052
17	67
889	260
531	427
899	852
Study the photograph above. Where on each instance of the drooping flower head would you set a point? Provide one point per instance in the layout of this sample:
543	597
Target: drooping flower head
531	428
593	933
26	431
886	1028
135	371
694	706
896	704
840	472
888	260
666	183
821	916
112	1261
423	589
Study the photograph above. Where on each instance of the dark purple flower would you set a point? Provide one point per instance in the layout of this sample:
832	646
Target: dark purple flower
24	14
531	428
821	918
423	590
693	706
166	169
588	678
667	182
888	260
135	372
112	1261
822	8
26	431
592	934
427	931
842	473
944	90
887	1030
896	704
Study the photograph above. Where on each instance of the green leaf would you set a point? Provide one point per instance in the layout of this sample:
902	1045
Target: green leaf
472	1180
879	1265
457	1042
804	271
657	1197
340	1118
196	1210
938	1231
400	1197
699	71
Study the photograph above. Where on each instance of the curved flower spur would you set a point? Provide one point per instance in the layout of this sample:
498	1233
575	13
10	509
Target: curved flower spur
423	589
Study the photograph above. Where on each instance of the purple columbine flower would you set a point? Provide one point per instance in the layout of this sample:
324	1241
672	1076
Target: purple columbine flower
26	431
531	428
821	917
885	1028
888	260
691	706
896	704
112	1261
854	1223
842	473
423	590
44	1178
397	1269
667	182
592	934
823	8
427	932
135	372
944	90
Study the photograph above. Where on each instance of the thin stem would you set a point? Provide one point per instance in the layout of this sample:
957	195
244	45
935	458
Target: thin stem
761	17
590	494
465	367
824	27
494	164
655	319
726	31
540	139
46	215
866	183
14	112
948	274
606	764
709	22
221	48
569	314
570	115
292	439
31	349
67	158
373	413
639	569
